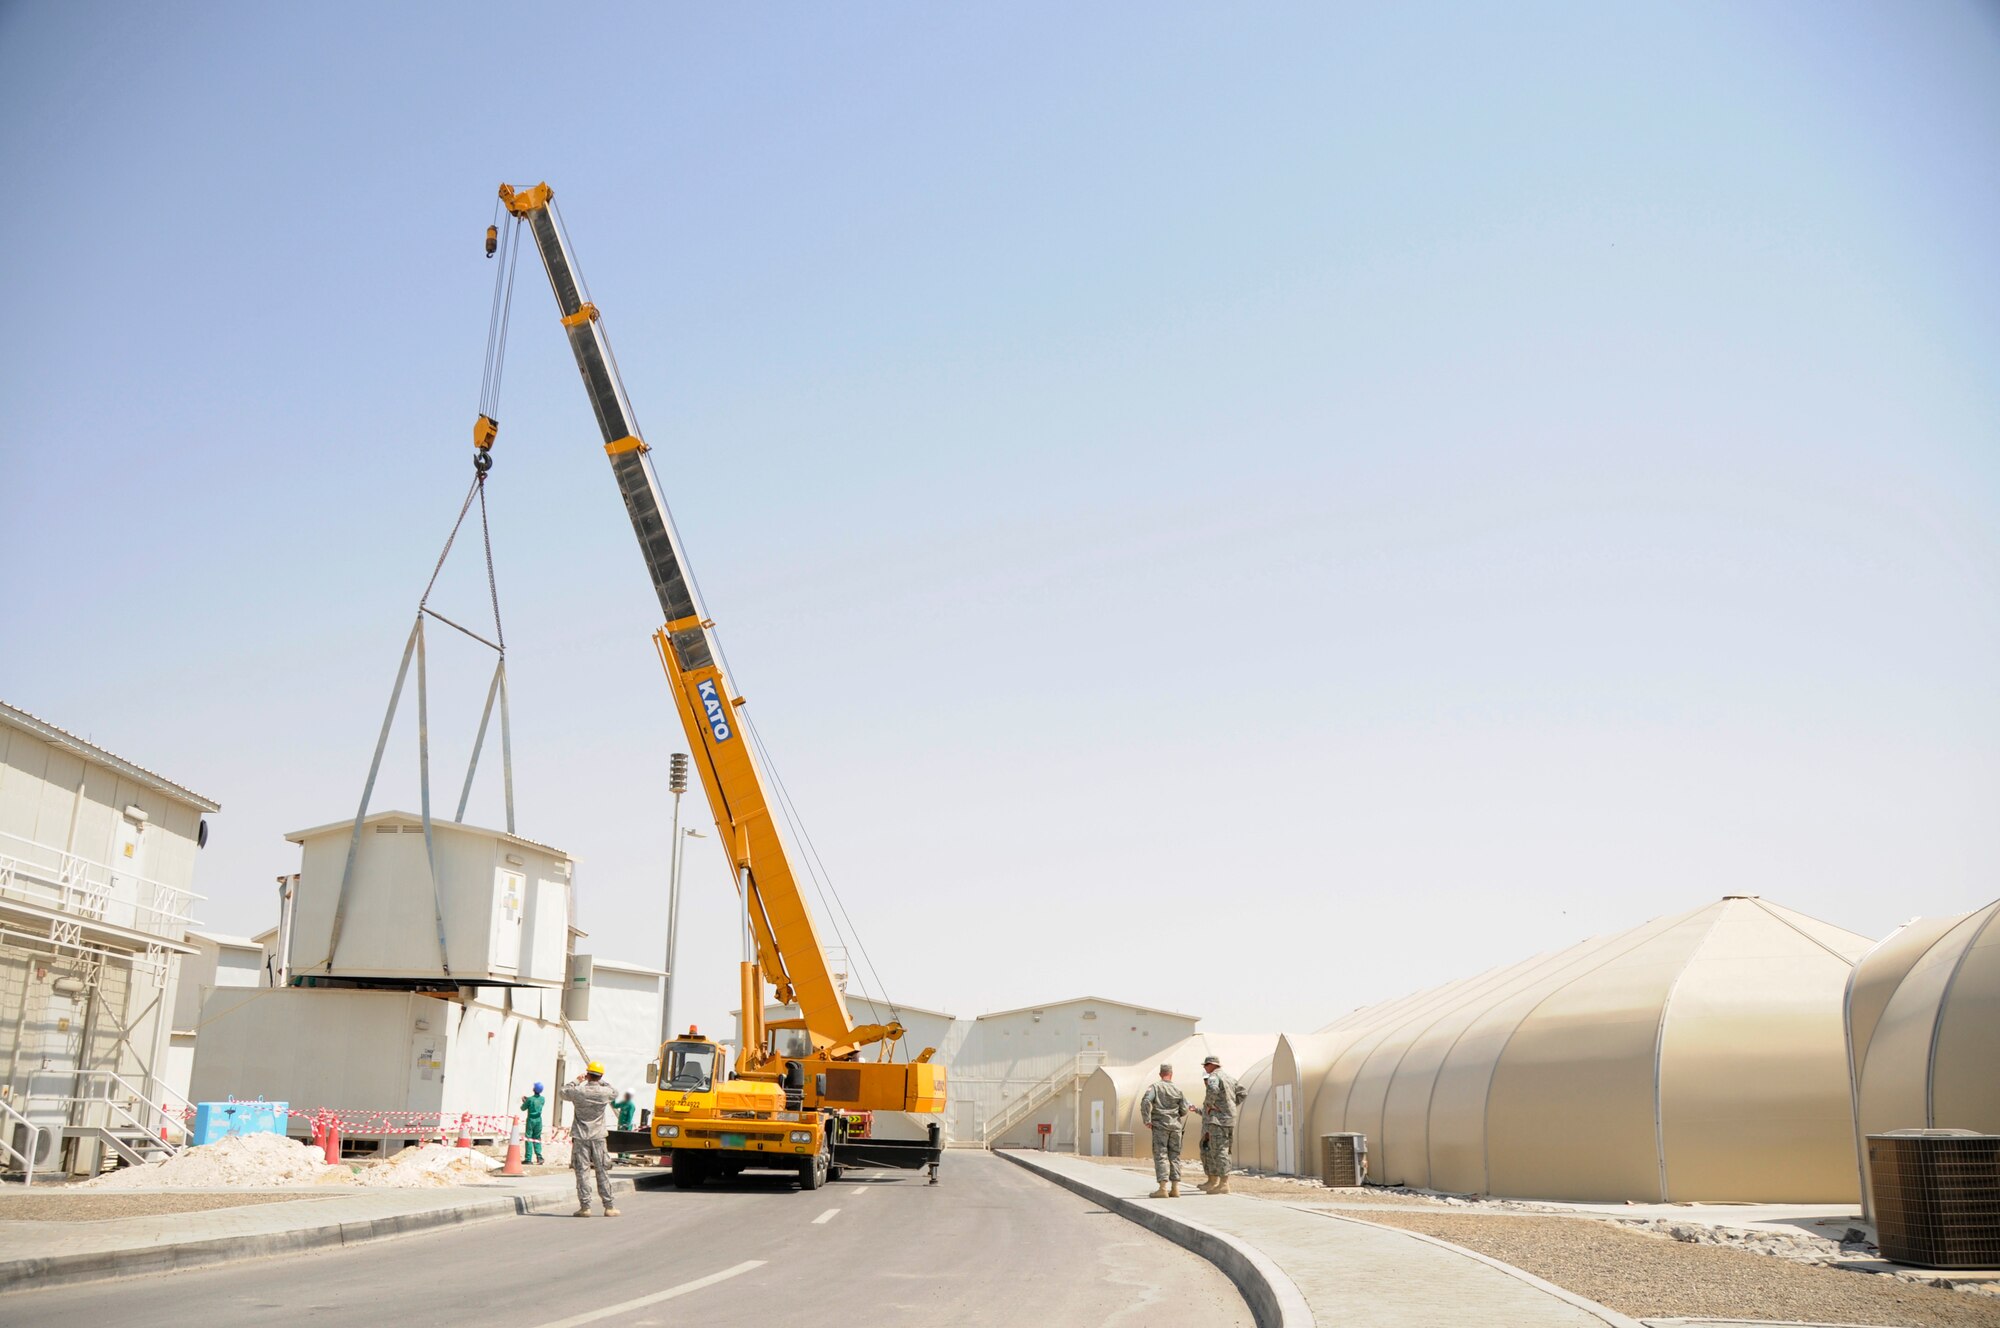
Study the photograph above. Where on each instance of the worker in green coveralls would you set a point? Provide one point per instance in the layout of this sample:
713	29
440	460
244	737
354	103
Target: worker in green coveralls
627	1109
533	1104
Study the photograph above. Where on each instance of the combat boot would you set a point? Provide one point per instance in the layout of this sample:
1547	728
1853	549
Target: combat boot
1207	1186
1221	1184
1174	1190
1160	1193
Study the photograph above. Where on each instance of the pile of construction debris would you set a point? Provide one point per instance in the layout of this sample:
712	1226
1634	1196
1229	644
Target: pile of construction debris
271	1160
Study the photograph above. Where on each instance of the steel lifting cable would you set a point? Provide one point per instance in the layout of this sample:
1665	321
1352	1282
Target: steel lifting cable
797	822
499	319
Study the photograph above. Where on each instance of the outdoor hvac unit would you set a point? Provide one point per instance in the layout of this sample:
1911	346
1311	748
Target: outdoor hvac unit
1936	1197
1343	1160
48	1144
1118	1143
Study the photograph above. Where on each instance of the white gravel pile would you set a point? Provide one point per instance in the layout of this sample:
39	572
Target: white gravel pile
427	1167
241	1160
1797	1245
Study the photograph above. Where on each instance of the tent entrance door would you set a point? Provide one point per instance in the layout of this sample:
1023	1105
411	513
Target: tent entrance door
1097	1129
1288	1150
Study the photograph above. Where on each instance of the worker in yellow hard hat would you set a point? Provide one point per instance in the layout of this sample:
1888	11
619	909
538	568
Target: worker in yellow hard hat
592	1099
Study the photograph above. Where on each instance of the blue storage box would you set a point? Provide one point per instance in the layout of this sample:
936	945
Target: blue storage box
219	1120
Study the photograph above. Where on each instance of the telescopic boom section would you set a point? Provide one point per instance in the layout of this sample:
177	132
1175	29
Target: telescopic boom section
788	947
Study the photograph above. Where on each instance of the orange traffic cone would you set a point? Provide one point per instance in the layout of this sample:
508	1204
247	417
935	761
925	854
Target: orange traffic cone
514	1148
465	1131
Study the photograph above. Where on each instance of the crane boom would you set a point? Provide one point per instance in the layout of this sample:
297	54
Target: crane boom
788	949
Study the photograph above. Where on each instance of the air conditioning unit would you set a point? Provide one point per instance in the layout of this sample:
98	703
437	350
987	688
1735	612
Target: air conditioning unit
1118	1143
48	1145
1343	1160
1936	1197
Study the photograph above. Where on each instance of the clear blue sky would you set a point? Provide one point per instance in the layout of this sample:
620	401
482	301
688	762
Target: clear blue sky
1246	510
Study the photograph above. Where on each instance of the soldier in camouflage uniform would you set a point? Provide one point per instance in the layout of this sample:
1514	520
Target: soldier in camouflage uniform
1163	1109
1222	1096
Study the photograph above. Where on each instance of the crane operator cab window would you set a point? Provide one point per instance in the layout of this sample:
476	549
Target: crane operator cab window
690	1067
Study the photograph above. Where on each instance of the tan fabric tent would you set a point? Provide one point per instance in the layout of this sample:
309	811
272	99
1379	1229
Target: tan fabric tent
1695	1057
1115	1089
1923	1020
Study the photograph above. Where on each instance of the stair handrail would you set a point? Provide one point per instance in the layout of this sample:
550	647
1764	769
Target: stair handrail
133	1119
1013	1111
10	1118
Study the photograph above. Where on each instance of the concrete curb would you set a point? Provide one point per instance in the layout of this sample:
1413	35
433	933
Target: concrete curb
100	1265
1274	1299
1612	1318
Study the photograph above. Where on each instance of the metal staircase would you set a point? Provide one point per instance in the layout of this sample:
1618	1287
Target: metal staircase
1039	1094
105	1108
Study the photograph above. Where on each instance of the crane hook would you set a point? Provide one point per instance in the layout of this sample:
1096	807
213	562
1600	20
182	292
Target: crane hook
492	240
482	462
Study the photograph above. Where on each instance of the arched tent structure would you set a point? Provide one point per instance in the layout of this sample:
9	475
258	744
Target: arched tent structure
1923	1024
1283	1101
1694	1057
1111	1094
1254	1119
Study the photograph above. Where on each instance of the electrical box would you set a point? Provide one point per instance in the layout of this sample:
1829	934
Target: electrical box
501	901
576	996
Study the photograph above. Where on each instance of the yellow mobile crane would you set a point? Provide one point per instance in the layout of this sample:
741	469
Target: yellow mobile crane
807	1112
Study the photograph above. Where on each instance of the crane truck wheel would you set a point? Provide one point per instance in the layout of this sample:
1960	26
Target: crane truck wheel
689	1169
813	1171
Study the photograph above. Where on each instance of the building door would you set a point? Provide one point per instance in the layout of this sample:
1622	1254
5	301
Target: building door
1287	1142
126	903
52	1048
1097	1129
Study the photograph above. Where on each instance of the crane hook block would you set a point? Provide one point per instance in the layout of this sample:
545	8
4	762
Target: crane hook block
492	240
484	430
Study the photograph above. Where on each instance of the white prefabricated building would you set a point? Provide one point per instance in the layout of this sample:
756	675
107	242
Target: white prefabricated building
503	903
97	864
1017	1070
219	962
1111	1094
1013	1071
364	1052
623	1029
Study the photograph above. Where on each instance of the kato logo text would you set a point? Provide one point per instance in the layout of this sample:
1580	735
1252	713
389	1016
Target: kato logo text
718	713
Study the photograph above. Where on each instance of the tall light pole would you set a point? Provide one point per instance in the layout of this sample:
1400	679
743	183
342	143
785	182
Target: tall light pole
677	784
674	929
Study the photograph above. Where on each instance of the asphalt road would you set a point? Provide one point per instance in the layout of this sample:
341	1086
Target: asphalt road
991	1244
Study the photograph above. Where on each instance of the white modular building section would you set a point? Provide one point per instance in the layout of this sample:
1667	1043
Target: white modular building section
1018	1070
378	1055
97	860
624	1024
219	962
505	903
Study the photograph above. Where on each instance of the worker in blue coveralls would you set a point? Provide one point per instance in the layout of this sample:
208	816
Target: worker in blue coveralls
533	1104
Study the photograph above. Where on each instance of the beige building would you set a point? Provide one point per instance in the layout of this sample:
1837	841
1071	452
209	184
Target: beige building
97	864
1013	1071
1700	1056
1923	1019
1111	1095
